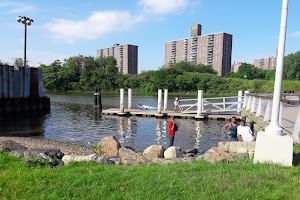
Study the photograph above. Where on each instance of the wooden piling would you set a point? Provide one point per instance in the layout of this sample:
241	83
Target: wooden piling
129	98
159	101
122	100
165	99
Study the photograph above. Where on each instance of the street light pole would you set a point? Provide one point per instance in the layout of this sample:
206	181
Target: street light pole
27	22
274	128
25	44
272	146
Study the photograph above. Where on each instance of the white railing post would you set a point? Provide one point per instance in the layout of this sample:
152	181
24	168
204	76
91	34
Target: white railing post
129	98
249	103
122	100
267	115
159	101
165	99
224	103
253	104
259	107
199	103
296	131
246	97
240	95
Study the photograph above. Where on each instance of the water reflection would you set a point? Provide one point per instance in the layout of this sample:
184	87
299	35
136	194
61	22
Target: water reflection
198	134
23	124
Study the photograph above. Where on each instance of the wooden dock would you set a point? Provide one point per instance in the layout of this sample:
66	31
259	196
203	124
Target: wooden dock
166	114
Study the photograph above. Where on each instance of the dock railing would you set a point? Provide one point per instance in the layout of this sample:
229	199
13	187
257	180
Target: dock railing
289	113
212	105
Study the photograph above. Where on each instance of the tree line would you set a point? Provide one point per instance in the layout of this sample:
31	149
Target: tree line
86	73
291	70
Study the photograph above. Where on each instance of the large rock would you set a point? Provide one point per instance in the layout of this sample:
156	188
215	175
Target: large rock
237	147
9	145
193	151
109	146
53	153
239	155
113	160
215	154
172	152
154	151
131	157
77	158
165	161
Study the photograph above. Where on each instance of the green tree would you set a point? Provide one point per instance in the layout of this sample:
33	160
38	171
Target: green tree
291	70
18	62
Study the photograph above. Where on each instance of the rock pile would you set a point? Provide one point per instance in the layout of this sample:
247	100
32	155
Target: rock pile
109	151
44	155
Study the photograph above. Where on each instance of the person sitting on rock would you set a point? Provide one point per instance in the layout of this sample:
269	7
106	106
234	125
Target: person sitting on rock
232	133
245	133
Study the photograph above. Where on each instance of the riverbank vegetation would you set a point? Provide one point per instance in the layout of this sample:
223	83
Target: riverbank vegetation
240	179
87	73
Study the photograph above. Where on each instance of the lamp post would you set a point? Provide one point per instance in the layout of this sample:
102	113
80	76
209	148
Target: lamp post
27	22
274	128
272	146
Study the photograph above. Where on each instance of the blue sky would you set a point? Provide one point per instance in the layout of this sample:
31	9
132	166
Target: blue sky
66	28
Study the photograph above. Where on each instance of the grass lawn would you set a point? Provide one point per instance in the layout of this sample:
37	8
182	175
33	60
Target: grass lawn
239	179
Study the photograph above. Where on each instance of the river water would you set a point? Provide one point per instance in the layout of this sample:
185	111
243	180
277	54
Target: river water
73	119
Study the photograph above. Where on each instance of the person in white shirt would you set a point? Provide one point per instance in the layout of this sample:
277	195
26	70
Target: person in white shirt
244	132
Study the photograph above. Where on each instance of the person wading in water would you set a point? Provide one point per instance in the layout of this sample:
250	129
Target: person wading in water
232	133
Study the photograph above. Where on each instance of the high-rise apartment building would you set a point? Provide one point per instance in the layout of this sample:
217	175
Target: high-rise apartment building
211	49
125	55
265	63
235	67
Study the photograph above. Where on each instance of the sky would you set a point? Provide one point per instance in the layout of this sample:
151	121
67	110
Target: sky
68	28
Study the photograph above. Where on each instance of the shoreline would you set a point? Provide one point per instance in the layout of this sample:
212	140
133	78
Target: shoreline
36	143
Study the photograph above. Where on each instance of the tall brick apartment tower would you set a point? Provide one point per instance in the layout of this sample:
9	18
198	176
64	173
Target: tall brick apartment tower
125	55
212	49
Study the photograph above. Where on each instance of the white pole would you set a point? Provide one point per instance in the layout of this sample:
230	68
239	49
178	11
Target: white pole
122	100
159	101
165	99
246	97
258	111
253	105
268	111
129	98
249	100
296	131
240	94
274	128
200	102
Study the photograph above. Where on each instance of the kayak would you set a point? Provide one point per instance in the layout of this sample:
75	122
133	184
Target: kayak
144	107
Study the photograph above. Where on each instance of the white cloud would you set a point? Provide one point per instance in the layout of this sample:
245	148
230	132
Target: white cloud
99	24
295	34
164	6
19	8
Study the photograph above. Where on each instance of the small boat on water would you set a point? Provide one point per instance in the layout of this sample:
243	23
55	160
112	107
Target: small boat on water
144	107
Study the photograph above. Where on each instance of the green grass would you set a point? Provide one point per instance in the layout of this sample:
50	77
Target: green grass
239	179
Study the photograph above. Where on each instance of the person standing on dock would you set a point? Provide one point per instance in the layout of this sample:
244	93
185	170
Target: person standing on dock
232	133
176	102
172	129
